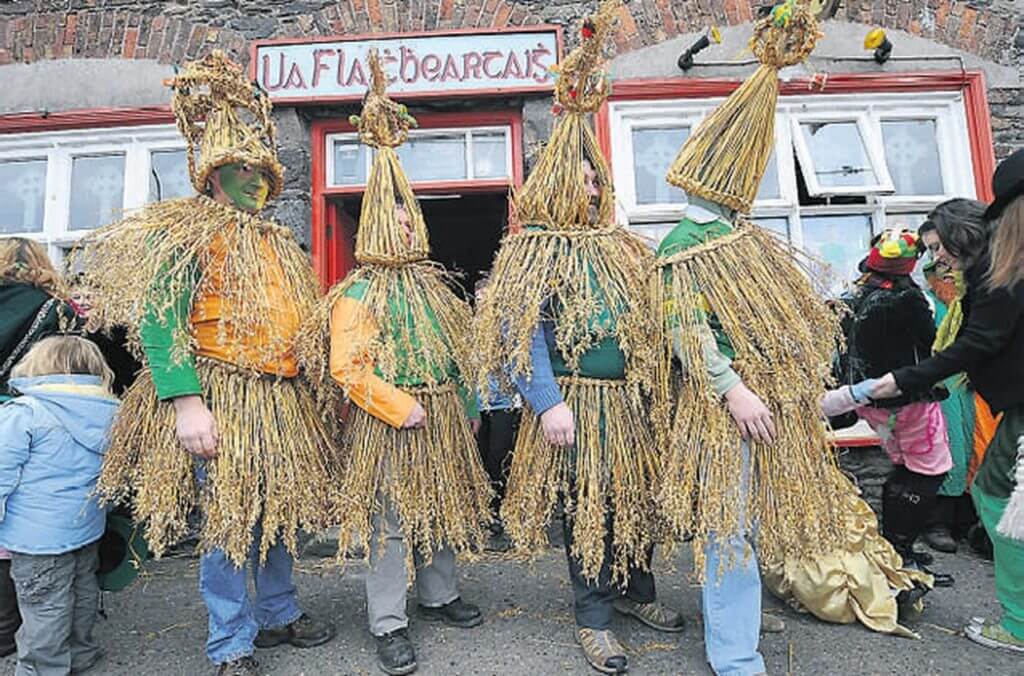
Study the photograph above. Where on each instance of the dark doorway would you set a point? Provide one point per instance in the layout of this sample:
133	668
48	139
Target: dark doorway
465	231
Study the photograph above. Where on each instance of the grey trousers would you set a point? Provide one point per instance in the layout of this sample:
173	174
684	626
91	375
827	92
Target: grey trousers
386	579
58	597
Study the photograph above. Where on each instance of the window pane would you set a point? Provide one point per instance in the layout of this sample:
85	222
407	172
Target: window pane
838	154
840	242
490	153
912	153
168	175
22	195
769	188
777	224
97	190
349	163
653	152
438	157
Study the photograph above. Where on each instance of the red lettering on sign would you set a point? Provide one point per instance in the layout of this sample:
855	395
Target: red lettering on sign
451	71
266	73
512	67
540	71
295	79
357	75
409	61
340	77
488	58
386	61
319	65
471	64
431	67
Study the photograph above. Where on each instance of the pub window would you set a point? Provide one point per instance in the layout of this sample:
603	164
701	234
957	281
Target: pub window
844	167
57	186
429	155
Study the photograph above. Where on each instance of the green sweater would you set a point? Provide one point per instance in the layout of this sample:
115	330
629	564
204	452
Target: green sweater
172	377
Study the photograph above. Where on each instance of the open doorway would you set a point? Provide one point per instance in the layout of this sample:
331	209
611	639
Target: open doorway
465	231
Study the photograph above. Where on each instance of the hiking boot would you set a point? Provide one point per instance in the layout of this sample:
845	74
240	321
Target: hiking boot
602	650
243	666
654	615
992	635
940	539
304	632
770	624
458	613
395	654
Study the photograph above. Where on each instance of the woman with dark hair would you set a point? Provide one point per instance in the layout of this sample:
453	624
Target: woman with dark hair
989	347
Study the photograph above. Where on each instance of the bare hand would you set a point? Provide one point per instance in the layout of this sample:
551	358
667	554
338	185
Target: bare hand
886	388
195	426
751	415
559	425
417	418
474	424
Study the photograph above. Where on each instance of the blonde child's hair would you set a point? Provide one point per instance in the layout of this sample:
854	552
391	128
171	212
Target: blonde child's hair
56	355
25	261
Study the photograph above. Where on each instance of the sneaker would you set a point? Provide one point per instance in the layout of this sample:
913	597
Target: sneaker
654	615
602	650
395	654
772	624
458	613
940	539
993	635
243	666
304	632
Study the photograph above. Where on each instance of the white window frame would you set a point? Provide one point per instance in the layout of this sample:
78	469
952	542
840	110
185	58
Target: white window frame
59	148
466	132
947	108
872	148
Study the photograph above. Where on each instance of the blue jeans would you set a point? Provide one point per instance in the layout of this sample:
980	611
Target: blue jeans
732	598
234	620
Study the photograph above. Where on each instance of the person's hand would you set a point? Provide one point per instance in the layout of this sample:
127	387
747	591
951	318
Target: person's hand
886	388
751	415
558	425
195	426
474	424
417	418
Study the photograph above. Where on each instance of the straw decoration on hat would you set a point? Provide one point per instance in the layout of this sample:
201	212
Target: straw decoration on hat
759	293
571	262
415	338
224	289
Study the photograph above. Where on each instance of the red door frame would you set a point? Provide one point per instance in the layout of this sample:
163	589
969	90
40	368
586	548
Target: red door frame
971	83
332	260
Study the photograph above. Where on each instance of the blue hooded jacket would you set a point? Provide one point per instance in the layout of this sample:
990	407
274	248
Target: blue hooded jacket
52	441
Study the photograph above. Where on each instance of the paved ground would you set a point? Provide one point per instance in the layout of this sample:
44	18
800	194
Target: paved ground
157	628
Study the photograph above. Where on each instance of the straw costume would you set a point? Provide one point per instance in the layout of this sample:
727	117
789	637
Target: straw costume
212	296
718	269
567	315
394	337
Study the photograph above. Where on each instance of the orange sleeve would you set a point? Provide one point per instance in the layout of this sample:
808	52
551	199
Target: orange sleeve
352	331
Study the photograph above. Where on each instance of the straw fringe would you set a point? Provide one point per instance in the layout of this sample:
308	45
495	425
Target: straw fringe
432	477
608	478
273	465
784	336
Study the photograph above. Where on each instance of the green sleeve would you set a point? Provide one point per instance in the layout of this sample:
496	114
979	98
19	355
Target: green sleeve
172	376
469	401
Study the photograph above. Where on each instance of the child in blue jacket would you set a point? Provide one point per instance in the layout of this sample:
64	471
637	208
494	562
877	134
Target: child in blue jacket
52	439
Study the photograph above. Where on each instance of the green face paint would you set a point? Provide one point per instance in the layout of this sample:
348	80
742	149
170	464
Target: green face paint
245	186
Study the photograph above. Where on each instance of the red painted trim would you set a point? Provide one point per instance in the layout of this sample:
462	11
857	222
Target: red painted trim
972	83
93	118
331	262
438	94
603	131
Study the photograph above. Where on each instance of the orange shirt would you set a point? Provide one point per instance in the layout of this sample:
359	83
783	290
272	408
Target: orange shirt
244	348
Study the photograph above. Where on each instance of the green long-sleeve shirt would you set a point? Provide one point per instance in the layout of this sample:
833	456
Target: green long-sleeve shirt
173	368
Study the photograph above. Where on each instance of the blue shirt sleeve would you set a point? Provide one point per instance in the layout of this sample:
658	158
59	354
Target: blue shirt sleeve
15	440
540	391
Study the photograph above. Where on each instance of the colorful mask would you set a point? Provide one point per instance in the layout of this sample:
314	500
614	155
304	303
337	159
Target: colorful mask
247	189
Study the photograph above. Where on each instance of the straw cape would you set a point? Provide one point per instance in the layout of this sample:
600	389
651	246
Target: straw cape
780	329
587	274
410	330
223	290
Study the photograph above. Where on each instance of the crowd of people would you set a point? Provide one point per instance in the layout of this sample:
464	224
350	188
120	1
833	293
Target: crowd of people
191	365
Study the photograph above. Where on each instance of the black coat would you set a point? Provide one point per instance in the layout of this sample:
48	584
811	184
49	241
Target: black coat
989	346
888	327
23	321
